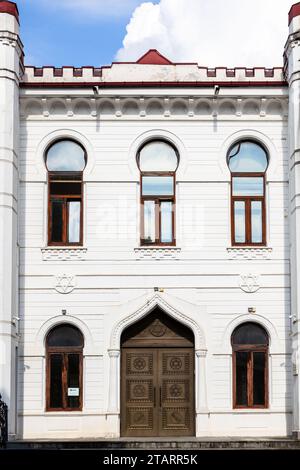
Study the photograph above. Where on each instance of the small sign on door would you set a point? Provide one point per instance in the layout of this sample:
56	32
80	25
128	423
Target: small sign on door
73	392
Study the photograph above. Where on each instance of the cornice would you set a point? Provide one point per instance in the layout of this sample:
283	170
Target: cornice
153	107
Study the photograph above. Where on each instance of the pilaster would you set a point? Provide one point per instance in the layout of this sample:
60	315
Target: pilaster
11	67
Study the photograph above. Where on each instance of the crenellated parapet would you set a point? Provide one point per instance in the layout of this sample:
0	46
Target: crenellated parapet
136	74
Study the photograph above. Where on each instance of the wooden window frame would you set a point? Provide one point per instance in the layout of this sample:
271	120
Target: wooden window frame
65	198
157	201
64	352
250	349
248	218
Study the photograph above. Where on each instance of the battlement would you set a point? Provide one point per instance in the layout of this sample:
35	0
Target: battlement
152	70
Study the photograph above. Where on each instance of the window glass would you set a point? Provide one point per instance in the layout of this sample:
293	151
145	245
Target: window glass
65	188
250	333
65	335
158	156
56	366
239	222
259	364
74	221
241	378
57	221
149	221
247	186
73	381
256	222
247	157
65	155
158	185
166	225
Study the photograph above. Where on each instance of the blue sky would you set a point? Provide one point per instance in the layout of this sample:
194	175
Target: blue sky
58	35
213	33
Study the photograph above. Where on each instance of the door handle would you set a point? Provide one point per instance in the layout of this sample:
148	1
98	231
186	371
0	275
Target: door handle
160	397
154	396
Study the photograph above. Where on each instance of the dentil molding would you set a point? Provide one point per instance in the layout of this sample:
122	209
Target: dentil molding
160	253
63	254
249	253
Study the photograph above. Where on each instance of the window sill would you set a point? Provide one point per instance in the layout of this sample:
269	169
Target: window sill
157	252
249	252
63	253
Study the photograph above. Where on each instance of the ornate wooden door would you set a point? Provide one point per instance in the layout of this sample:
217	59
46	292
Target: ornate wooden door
157	381
176	392
139	393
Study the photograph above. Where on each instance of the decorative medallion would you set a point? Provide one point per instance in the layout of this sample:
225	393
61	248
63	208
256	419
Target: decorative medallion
176	363
176	417
249	282
65	283
139	390
157	329
139	363
175	391
139	417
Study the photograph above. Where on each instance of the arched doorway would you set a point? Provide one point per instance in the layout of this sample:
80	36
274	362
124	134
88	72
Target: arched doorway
157	378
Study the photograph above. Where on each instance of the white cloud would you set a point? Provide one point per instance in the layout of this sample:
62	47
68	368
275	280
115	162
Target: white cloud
210	32
91	8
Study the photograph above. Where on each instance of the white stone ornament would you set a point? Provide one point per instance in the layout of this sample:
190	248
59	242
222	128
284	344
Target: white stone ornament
249	283
65	283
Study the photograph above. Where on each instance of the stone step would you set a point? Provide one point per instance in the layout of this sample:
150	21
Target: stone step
158	444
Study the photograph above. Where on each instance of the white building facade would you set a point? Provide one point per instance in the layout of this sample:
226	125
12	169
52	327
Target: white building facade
150	247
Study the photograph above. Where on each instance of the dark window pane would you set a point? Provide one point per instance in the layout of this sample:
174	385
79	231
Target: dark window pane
239	222
73	391
241	378
65	155
57	221
247	186
149	221
158	185
259	378
65	335
56	393
74	222
256	221
166	226
248	157
250	333
65	188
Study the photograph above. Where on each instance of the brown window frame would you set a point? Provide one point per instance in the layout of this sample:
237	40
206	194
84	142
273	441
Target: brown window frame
56	176
250	349
157	201
64	352
248	218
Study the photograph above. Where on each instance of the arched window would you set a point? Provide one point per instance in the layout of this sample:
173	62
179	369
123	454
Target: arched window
158	162
250	346
65	161
64	346
248	163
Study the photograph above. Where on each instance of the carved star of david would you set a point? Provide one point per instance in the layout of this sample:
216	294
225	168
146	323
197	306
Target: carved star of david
65	283
249	282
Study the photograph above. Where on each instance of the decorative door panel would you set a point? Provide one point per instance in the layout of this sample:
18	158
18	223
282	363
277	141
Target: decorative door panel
176	392
138	400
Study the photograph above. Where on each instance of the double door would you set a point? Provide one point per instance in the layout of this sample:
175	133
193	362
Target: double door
157	392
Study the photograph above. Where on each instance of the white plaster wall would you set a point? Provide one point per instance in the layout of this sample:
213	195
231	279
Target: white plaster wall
111	278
